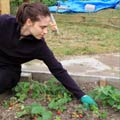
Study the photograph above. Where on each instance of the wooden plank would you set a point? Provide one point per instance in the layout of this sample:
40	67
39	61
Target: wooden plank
0	7
102	83
54	24
5	6
26	77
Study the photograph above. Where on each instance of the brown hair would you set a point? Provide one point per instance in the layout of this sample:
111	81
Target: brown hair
32	11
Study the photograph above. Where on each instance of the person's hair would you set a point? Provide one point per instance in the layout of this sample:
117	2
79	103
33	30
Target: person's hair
32	11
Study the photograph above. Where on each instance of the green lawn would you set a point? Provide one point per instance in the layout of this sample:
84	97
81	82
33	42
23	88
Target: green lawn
86	33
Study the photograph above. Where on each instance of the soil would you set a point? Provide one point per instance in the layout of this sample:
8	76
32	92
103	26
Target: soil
9	114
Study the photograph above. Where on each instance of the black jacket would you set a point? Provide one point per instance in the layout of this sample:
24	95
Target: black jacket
15	51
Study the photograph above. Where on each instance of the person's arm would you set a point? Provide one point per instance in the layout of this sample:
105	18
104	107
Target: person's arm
60	73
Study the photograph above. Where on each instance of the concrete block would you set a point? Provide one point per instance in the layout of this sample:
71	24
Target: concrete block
26	76
79	79
41	76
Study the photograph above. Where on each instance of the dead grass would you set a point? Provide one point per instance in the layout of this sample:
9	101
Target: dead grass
86	33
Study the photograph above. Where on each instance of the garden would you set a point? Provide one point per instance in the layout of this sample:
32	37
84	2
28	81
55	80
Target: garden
51	101
79	34
82	33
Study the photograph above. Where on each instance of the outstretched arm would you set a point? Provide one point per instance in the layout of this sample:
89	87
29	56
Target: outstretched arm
62	75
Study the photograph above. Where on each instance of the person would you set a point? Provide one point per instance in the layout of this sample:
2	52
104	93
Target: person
22	40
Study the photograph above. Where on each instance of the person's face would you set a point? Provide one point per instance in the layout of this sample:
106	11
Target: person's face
39	28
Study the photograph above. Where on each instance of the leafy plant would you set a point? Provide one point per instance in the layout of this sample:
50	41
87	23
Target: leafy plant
107	95
14	5
10	103
56	94
58	103
38	89
55	88
82	111
22	90
36	110
57	118
32	89
97	112
51	90
49	2
35	89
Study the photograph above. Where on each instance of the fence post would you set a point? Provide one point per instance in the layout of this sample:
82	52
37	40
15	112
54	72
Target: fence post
4	6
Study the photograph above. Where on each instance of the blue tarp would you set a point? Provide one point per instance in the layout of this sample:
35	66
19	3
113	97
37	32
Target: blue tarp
76	6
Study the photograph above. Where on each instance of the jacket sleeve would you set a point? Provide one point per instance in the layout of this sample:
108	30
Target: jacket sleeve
1	24
59	72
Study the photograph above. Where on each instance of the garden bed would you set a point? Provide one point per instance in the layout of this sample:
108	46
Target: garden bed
51	101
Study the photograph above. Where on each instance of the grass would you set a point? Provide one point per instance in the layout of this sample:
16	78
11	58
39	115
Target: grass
86	33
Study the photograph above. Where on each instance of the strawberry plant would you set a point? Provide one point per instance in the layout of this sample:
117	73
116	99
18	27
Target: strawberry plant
31	89
52	90
107	95
37	89
81	111
35	111
56	96
54	87
22	90
95	110
58	103
11	102
57	118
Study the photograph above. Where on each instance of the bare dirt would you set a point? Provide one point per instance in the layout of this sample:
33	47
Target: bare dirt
10	114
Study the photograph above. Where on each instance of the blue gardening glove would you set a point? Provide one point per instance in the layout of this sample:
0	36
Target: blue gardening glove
87	101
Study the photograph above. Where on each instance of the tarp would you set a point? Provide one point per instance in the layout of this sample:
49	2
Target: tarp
76	6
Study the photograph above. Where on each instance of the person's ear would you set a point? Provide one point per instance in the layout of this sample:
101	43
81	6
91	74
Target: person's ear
29	22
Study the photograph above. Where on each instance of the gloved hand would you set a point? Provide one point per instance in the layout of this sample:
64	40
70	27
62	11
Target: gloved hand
87	101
